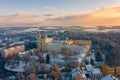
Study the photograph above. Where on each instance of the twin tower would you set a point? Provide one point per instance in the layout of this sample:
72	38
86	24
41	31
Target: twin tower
41	46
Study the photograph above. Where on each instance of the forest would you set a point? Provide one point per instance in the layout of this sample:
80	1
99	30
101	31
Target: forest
107	43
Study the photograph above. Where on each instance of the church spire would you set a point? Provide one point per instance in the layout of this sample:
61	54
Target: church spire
39	42
42	42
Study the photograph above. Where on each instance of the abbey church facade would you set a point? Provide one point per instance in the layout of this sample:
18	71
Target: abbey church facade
51	45
41	46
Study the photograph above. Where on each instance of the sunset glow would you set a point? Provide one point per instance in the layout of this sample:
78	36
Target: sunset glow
43	13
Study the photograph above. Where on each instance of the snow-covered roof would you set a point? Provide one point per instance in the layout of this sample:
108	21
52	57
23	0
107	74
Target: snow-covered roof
96	71
90	68
20	53
74	72
21	42
108	77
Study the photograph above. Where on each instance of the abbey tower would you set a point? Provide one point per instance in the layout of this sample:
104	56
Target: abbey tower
41	46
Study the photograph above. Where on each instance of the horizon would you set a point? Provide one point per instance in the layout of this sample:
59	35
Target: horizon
59	13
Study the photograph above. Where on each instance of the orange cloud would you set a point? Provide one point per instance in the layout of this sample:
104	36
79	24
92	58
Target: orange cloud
103	16
109	15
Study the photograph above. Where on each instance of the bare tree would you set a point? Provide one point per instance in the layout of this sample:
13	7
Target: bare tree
32	76
41	58
55	72
43	66
55	53
30	72
26	58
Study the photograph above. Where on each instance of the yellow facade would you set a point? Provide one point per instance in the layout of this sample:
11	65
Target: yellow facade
110	70
12	50
82	43
69	46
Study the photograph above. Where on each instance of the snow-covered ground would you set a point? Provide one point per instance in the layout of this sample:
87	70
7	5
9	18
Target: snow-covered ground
60	58
102	30
109	77
26	30
36	29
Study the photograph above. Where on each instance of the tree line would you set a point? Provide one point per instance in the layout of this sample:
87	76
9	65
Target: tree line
107	43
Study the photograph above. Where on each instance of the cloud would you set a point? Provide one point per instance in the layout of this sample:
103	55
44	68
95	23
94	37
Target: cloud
105	16
49	8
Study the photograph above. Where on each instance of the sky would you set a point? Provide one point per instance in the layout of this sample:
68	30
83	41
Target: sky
35	13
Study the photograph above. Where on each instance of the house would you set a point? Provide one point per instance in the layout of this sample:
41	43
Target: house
77	74
109	77
97	73
111	68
